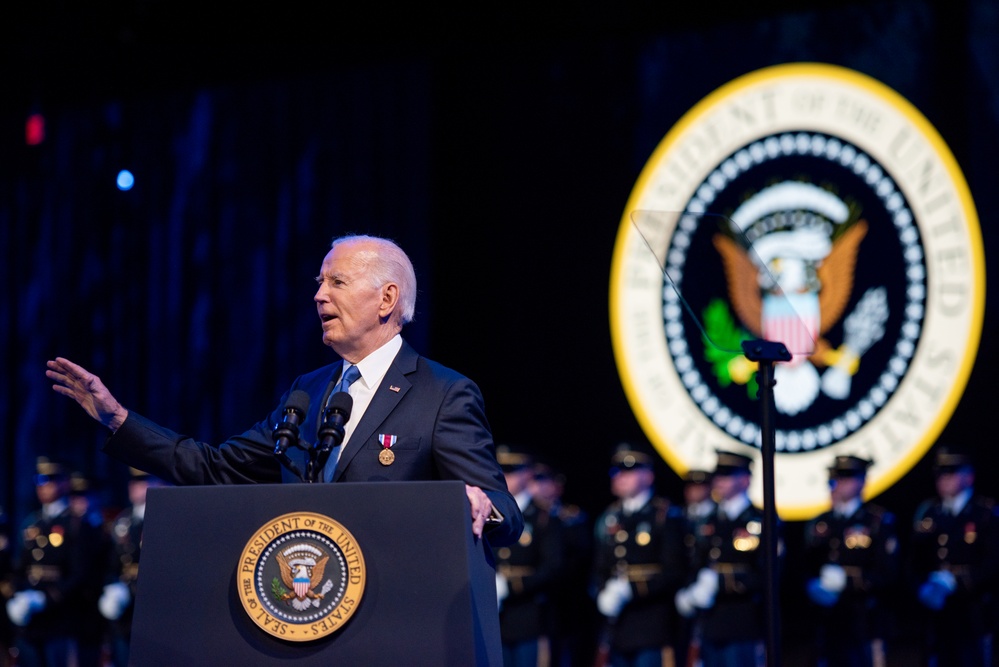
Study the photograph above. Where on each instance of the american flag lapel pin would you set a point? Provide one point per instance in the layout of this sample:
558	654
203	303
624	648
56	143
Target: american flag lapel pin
394	388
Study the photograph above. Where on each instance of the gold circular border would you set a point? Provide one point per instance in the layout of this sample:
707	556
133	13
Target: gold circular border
817	74
247	571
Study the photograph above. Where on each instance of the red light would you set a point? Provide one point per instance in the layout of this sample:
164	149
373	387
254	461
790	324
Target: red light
34	129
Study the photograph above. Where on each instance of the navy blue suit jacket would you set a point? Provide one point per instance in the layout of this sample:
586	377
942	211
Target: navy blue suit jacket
436	414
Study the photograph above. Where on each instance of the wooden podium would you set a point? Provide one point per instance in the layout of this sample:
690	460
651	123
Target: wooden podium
429	594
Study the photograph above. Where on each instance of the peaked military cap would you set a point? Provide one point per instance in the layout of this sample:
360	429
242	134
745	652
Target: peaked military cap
848	465
513	457
948	460
697	477
48	470
629	457
730	463
78	483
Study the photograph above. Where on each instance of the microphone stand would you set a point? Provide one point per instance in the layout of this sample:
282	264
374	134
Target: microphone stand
766	353
330	437
286	461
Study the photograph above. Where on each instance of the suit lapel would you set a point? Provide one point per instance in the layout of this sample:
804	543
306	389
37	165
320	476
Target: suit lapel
382	404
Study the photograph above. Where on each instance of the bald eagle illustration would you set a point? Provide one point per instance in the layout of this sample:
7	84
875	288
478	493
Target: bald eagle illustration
815	281
301	575
834	274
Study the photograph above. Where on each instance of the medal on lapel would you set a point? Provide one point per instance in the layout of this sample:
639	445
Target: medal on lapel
386	456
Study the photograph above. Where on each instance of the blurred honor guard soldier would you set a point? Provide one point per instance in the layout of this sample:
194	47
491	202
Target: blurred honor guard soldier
572	626
54	568
725	589
638	564
698	507
851	559
89	625
526	570
955	556
118	599
6	588
698	504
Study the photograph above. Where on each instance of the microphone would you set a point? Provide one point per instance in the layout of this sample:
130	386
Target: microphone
334	419
331	432
286	431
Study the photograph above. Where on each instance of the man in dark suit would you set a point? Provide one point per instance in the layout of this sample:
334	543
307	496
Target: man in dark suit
412	419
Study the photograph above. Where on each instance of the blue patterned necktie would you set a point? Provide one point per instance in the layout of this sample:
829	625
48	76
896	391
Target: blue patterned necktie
348	378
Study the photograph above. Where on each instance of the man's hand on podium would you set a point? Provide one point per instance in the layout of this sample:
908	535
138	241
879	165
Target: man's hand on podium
483	511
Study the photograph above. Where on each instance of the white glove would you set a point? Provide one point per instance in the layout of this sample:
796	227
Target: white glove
704	590
832	578
821	595
616	592
502	590
945	580
685	603
23	605
114	600
699	595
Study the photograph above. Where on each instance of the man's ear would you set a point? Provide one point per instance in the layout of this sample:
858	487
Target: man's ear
389	300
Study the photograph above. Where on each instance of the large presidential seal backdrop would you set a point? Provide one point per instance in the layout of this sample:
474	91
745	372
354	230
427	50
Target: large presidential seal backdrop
847	195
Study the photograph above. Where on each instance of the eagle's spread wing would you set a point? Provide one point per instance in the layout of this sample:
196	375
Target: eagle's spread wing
836	275
318	570
286	574
743	288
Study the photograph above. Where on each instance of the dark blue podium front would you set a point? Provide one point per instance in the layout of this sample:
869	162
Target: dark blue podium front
429	596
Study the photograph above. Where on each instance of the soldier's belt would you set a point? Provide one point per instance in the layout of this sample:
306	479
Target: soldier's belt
129	573
44	573
516	571
641	572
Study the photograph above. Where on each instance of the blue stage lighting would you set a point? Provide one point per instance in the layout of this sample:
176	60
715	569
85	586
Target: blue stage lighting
125	180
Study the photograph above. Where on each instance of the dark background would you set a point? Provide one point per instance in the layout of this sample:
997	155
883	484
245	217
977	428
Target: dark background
498	145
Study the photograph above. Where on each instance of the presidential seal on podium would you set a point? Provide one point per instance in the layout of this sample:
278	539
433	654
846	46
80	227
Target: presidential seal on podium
301	576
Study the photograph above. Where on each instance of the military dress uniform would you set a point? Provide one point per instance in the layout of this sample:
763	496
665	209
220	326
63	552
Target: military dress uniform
574	618
645	547
57	563
728	572
695	515
530	567
965	545
123	571
6	585
733	549
865	546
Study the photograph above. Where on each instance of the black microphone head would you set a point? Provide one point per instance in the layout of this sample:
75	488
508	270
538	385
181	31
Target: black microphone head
343	403
298	401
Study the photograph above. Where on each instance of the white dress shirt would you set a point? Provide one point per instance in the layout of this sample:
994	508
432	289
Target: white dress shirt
373	368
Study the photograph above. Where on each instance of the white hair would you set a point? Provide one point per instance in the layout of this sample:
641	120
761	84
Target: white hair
388	264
